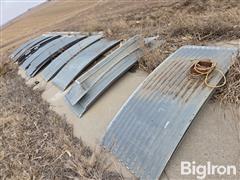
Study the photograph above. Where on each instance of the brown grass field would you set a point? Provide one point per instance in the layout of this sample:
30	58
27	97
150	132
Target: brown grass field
35	142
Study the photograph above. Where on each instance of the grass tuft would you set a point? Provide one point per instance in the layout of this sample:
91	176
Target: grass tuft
36	143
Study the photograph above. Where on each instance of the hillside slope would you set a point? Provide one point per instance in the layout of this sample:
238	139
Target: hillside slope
37	143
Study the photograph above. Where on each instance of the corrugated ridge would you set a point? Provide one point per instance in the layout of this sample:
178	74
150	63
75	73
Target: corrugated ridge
96	73
98	88
34	48
55	66
167	73
19	53
99	65
23	46
44	57
31	58
163	92
76	66
152	79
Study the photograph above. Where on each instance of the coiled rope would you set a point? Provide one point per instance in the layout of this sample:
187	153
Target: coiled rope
205	68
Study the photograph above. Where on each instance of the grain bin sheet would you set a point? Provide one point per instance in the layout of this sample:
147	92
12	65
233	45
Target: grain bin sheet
55	66
51	53
69	72
149	126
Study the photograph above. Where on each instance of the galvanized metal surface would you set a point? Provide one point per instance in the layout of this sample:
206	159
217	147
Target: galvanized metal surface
106	81
95	74
69	72
47	55
41	50
149	126
25	46
22	47
55	66
21	57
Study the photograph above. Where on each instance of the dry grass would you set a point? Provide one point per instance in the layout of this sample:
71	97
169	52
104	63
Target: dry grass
178	22
4	68
231	92
35	143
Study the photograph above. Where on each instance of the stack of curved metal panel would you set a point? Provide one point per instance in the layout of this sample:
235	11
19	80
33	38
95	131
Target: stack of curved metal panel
30	50
146	131
25	45
46	53
55	66
77	64
88	87
33	44
62	57
58	47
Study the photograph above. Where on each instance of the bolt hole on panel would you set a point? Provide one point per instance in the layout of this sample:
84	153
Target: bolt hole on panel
146	131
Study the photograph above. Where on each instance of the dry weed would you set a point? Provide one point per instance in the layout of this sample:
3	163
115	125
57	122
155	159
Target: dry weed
36	143
230	93
184	22
209	26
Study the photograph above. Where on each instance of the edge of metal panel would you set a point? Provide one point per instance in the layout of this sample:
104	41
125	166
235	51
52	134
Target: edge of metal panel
22	46
47	75
115	57
56	53
234	52
62	87
37	53
35	47
38	60
96	91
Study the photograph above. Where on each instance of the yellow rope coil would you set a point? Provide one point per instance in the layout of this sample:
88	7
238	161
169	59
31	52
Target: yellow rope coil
205	68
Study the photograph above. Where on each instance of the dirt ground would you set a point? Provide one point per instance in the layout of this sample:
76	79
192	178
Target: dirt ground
38	143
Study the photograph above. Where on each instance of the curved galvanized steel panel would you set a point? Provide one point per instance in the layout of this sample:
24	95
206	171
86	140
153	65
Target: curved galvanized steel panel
106	81
149	126
25	46
95	74
69	72
55	66
41	50
21	57
47	55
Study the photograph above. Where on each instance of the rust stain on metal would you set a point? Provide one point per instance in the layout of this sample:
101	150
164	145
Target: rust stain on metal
149	126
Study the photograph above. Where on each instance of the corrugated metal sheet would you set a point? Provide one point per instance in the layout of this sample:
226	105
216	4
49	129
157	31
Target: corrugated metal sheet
100	86
21	57
47	55
71	70
25	46
149	126
93	83
95	74
55	66
41	50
